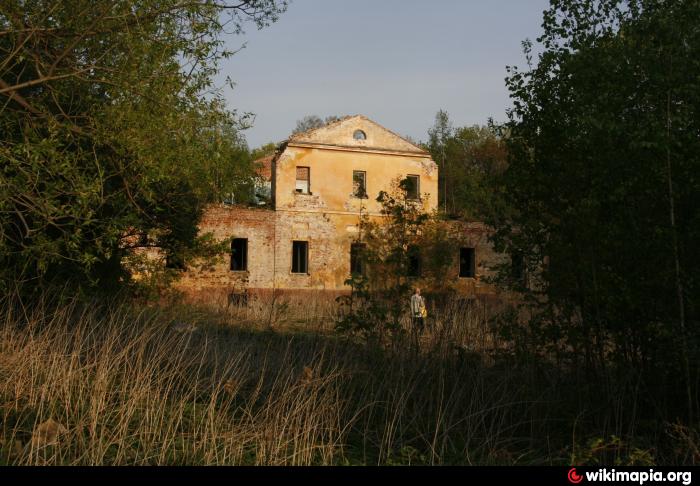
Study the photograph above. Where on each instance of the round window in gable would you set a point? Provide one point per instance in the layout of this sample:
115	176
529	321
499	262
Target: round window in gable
359	135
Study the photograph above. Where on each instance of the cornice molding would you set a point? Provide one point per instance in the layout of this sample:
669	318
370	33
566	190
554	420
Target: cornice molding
345	148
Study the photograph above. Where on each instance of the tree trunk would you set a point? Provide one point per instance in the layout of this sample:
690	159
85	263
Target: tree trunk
676	260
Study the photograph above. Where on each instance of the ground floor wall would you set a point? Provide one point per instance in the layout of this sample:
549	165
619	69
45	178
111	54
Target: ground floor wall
269	236
486	259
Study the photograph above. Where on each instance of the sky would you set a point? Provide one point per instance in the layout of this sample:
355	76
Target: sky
396	61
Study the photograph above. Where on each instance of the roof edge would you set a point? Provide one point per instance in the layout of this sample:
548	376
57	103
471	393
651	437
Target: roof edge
294	138
352	148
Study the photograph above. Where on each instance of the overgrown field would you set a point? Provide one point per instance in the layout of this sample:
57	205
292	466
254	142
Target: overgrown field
126	384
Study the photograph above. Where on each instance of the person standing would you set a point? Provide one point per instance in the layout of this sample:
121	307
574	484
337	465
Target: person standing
418	313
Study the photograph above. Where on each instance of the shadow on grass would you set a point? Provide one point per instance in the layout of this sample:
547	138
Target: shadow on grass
183	385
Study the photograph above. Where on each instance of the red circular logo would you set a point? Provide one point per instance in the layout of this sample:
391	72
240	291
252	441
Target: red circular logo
574	477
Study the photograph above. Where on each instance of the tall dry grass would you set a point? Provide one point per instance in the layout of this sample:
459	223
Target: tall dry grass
119	384
109	384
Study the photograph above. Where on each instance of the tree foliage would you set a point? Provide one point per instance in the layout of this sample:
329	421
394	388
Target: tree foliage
309	122
470	159
112	135
263	151
603	175
408	247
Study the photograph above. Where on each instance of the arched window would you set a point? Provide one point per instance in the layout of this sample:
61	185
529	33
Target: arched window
359	135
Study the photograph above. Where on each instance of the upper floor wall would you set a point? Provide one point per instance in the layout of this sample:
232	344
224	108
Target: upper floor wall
343	166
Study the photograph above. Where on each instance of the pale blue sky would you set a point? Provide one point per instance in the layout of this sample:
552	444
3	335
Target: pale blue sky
395	61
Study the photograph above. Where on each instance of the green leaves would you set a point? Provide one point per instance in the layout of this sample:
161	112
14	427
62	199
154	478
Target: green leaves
110	128
602	126
408	247
469	158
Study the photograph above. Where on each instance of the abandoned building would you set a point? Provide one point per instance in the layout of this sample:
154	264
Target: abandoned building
319	182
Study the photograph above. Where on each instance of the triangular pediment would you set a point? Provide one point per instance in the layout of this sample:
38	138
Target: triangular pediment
356	132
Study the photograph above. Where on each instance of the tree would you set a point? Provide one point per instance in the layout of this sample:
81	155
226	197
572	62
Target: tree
408	247
470	159
309	122
263	151
602	172
112	135
439	137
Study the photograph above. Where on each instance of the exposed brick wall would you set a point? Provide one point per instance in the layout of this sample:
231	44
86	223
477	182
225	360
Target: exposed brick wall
224	221
327	218
475	235
263	167
270	235
325	250
269	266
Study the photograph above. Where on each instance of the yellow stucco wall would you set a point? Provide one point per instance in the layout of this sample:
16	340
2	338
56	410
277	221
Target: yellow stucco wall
328	218
331	182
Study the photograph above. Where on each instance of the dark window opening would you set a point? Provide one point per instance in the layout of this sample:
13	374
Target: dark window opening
466	263
414	262
300	257
517	267
359	135
359	183
303	180
357	258
412	186
175	262
239	254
